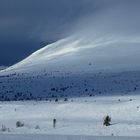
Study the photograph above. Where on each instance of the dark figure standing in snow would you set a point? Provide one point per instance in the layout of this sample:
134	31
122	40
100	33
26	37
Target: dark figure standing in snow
54	123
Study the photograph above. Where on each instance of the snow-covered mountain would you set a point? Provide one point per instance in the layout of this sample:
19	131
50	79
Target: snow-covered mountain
101	56
74	68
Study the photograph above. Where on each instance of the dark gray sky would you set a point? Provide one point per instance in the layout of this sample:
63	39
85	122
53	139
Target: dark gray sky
27	25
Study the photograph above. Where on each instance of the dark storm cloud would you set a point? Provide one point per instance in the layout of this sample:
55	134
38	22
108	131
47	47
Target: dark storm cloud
26	25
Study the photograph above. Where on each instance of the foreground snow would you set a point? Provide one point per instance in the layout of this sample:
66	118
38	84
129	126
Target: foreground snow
78	116
62	137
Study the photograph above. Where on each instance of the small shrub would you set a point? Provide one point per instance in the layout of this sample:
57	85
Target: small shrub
107	120
3	128
65	99
19	124
8	129
37	127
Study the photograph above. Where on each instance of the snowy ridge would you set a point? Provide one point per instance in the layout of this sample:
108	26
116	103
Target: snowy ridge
74	54
70	68
74	68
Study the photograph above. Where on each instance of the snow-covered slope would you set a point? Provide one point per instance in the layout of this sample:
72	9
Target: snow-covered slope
101	56
74	68
73	54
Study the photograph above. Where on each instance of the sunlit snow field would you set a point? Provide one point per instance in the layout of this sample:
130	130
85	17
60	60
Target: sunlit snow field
77	116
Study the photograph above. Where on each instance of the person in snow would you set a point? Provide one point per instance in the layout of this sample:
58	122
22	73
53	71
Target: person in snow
54	123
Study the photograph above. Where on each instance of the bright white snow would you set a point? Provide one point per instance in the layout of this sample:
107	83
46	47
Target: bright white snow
62	137
78	116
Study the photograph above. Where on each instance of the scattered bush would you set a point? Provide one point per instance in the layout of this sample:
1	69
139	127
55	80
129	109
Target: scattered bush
107	120
19	124
37	127
3	128
66	99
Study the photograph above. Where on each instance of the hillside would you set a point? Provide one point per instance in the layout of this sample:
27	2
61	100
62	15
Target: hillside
64	69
